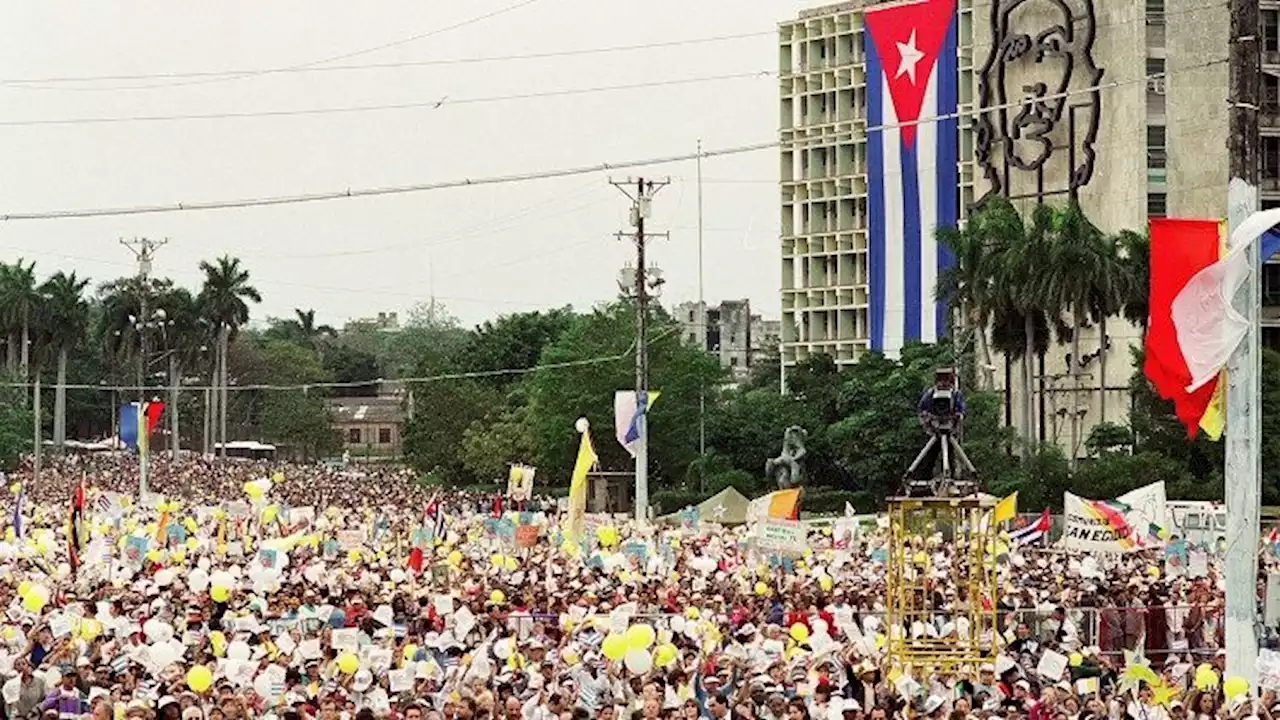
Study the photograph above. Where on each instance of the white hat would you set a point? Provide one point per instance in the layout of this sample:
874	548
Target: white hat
932	704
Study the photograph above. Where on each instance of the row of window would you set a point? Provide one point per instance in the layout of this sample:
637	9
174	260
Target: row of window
356	437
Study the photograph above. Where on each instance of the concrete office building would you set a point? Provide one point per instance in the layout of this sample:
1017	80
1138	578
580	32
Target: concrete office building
1132	148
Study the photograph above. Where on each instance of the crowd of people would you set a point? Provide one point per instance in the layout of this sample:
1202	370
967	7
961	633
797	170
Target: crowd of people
241	589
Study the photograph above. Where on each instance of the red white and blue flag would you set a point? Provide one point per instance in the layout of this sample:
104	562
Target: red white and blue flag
913	182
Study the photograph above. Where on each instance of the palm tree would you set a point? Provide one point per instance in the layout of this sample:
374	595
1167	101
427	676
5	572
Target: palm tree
222	302
1135	253
66	319
18	300
1082	275
308	332
966	287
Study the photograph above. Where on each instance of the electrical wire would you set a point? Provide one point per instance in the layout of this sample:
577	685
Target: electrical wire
536	175
625	354
32	83
349	109
206	79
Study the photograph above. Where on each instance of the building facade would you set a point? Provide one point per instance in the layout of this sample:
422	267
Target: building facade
729	331
825	279
369	426
1118	104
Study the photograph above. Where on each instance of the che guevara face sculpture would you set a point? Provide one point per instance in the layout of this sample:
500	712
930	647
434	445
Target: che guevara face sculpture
1040	66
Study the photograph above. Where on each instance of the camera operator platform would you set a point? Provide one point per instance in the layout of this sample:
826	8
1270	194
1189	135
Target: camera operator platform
942	416
941	508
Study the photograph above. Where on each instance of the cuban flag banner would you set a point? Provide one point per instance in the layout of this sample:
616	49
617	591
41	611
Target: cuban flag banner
911	167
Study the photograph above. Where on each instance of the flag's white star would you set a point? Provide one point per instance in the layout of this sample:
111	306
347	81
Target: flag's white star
910	56
718	511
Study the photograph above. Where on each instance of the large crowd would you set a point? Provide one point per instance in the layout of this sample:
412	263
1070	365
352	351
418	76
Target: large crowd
240	589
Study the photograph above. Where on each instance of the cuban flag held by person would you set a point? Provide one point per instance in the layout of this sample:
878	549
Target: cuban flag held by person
911	167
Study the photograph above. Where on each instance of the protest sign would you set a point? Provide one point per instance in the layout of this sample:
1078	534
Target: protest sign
526	535
780	536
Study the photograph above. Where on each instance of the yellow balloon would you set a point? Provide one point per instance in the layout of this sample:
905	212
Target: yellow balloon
219	642
277	478
762	589
191	526
1075	659
410	652
253	490
825	582
455	558
1234	687
614	647
497	597
199	679
348	663
510	564
192	543
220	593
35	601
1206	677
23	588
664	655
799	632
270	513
155	554
15	488
496	561
640	637
692	613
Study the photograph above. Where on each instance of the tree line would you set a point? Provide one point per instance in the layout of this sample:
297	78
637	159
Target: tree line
510	390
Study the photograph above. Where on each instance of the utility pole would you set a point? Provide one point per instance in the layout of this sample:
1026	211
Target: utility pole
640	285
144	250
702	341
1244	368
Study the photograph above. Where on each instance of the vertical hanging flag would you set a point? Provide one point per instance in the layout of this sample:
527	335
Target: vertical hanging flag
576	518
75	527
137	423
17	512
1193	328
912	171
628	407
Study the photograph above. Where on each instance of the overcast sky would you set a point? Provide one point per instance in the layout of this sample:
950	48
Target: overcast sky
491	249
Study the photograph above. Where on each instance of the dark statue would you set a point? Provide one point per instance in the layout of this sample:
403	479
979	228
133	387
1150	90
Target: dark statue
786	468
1038	94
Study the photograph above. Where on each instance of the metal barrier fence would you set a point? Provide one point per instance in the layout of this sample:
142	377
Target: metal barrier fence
1112	629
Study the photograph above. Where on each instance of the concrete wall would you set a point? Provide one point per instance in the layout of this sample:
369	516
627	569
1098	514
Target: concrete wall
1196	107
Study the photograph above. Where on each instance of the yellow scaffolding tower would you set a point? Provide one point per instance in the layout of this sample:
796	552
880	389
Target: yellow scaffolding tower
961	593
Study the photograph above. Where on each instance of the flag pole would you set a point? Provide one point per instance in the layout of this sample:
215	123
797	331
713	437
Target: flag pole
1244	368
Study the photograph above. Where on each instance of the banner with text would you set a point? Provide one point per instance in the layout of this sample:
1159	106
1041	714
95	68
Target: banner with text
1130	522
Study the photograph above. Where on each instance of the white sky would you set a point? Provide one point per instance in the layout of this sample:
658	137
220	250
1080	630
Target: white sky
493	249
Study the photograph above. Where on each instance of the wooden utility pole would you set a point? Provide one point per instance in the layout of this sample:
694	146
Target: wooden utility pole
1244	408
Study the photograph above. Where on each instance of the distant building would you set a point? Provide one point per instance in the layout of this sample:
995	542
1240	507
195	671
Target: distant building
729	331
369	425
385	321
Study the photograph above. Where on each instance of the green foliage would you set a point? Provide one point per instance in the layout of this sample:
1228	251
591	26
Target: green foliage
301	423
15	426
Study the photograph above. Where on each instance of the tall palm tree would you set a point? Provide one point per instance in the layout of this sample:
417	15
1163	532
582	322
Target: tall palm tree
308	332
65	321
1082	276
19	298
1135	252
223	302
967	287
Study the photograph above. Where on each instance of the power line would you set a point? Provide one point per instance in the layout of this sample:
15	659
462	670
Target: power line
371	383
210	78
349	109
32	83
544	174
